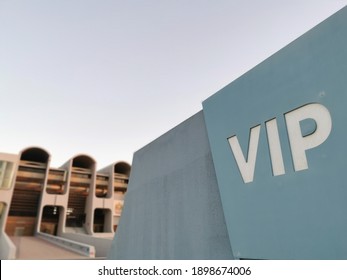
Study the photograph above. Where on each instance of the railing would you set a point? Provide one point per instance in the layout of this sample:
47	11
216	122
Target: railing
101	182
80	180
33	164
30	175
77	247
56	176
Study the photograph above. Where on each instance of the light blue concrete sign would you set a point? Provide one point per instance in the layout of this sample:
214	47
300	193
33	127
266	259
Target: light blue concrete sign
278	136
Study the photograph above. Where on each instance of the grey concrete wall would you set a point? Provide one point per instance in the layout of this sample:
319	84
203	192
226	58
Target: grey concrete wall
301	214
172	208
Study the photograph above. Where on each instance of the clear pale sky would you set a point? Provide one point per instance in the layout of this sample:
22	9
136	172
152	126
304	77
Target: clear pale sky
106	77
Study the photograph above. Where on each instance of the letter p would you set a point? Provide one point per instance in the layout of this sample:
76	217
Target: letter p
299	143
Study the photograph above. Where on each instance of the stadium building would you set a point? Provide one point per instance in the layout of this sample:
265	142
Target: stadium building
75	206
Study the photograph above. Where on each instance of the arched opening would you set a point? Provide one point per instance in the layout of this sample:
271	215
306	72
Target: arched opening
80	184
29	183
120	185
35	155
83	161
121	176
122	168
50	219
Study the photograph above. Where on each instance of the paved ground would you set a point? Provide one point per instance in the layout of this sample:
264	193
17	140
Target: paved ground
34	248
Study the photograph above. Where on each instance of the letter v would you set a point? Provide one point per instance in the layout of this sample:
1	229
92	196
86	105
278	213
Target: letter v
246	167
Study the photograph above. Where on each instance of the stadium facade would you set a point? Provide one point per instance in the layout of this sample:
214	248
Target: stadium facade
74	206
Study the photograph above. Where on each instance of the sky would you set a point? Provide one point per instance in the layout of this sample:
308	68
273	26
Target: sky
107	77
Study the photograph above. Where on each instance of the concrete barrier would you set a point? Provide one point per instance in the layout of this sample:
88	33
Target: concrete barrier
8	249
77	247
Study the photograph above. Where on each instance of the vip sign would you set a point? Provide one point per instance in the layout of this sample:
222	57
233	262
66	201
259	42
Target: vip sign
298	143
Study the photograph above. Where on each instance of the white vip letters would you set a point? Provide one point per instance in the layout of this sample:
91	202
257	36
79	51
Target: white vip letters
298	142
